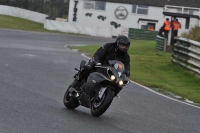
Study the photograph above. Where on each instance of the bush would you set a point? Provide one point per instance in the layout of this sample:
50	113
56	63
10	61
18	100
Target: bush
193	34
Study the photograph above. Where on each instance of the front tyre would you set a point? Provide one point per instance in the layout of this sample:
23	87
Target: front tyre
99	106
69	100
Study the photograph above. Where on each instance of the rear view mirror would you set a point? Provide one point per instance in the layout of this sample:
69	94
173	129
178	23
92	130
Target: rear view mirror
82	63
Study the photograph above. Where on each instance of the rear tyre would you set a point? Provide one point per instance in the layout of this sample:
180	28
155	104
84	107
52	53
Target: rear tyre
69	100
99	106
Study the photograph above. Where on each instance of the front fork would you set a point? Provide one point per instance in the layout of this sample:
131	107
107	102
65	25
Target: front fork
103	89
101	92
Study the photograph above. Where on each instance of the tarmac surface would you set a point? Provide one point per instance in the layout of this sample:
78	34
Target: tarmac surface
35	71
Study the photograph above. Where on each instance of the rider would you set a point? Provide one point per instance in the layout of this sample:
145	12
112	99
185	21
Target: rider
110	51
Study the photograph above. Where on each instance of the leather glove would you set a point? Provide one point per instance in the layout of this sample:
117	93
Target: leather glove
87	67
127	73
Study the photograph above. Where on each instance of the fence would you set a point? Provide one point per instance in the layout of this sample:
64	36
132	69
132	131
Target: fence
53	8
187	54
140	34
159	43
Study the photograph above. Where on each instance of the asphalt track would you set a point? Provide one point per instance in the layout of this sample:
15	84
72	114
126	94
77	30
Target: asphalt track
35	70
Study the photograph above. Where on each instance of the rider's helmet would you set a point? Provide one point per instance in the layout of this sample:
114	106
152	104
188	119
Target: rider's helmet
123	43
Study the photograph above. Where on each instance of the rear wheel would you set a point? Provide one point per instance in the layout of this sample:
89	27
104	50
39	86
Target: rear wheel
69	100
99	106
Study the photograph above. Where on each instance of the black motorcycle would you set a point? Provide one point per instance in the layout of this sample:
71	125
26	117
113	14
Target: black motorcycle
98	90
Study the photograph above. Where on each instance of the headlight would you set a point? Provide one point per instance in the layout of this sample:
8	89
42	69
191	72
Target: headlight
121	82
112	77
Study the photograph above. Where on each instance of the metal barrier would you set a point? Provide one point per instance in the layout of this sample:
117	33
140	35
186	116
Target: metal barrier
160	43
140	34
187	54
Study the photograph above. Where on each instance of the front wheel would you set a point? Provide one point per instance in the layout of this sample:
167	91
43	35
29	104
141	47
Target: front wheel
69	100
99	106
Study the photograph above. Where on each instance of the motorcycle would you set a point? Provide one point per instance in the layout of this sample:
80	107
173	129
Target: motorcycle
98	90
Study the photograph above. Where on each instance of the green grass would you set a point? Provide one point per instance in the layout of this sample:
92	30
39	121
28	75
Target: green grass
21	24
154	69
10	22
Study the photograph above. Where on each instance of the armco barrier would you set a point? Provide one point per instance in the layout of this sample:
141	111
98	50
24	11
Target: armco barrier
140	34
159	43
187	54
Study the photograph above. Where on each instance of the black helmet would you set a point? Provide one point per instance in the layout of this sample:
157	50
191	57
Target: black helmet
123	43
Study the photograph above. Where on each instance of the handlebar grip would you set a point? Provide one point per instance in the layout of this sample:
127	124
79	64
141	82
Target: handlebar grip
76	69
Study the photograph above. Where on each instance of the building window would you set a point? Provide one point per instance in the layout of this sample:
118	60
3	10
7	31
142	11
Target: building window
89	5
95	5
187	24
188	11
144	27
179	10
134	8
140	9
147	25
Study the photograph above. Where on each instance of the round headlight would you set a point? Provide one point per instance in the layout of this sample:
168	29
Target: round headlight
112	77
121	82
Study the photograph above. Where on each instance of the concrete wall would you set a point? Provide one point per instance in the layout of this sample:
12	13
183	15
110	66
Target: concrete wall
22	13
77	28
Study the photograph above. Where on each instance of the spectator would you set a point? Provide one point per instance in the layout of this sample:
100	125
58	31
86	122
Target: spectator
151	28
176	26
166	27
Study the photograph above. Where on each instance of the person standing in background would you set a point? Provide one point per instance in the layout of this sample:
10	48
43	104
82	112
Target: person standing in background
176	25
166	26
151	28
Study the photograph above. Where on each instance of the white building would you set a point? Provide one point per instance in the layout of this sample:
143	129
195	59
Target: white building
133	13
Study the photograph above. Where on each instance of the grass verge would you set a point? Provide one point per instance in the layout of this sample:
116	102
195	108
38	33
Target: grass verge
22	24
155	70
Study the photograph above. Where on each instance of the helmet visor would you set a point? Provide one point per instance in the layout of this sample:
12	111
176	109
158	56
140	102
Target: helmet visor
123	47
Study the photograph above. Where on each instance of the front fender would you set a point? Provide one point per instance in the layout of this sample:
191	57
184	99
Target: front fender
93	80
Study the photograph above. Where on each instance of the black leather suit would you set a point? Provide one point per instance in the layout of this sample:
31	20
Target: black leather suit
109	52
103	55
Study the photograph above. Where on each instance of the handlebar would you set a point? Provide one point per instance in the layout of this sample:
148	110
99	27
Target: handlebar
77	69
